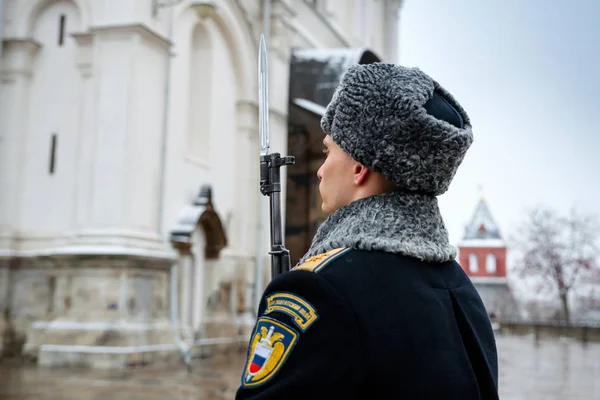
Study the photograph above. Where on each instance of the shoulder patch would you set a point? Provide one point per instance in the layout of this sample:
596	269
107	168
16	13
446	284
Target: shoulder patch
318	262
270	345
302	312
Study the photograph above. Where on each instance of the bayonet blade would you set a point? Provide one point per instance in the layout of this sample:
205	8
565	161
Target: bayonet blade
263	97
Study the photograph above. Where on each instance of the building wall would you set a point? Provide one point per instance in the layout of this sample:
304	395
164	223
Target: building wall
202	117
361	22
55	86
112	84
143	109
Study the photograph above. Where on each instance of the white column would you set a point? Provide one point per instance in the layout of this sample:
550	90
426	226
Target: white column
250	231
242	236
85	162
185	269
119	204
210	283
181	287
15	74
173	293
198	297
113	92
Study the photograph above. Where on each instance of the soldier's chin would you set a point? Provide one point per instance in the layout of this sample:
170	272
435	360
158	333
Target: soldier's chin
325	205
326	209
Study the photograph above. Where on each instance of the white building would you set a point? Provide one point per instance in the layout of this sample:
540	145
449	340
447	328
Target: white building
113	115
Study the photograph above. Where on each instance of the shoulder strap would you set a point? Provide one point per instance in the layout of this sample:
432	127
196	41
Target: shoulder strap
320	261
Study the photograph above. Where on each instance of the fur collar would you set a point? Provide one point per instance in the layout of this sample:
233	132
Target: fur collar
396	222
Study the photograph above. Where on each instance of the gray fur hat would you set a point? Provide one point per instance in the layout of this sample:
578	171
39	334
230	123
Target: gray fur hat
400	122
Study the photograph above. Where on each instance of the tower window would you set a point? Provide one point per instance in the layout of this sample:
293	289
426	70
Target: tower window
61	30
473	264
53	145
490	263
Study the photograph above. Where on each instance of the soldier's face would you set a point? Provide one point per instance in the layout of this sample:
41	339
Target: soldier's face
336	176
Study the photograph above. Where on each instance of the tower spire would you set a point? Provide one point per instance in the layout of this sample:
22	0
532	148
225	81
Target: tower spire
482	224
481	195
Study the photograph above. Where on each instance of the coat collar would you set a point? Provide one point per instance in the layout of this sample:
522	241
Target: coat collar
395	222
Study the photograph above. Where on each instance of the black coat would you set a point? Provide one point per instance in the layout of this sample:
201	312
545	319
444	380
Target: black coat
371	325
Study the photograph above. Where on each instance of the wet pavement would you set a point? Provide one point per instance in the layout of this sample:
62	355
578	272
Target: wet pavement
552	370
556	369
208	380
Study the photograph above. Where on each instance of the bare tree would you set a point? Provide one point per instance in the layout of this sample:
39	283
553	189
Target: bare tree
558	250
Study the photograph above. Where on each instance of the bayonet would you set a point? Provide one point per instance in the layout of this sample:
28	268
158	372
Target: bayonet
263	97
270	164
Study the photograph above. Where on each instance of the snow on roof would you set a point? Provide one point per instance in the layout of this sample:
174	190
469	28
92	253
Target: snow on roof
338	55
189	217
310	106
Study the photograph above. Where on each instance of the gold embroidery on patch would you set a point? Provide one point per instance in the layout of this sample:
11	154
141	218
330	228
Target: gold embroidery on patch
314	263
302	312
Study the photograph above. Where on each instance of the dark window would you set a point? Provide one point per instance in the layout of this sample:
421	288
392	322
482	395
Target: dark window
61	30
53	145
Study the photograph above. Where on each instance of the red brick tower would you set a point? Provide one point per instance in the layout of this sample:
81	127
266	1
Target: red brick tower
482	254
482	250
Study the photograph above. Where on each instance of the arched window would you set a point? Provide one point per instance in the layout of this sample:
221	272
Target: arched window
490	263
473	263
200	95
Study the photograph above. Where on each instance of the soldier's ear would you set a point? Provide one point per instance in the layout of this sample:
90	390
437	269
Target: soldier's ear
361	173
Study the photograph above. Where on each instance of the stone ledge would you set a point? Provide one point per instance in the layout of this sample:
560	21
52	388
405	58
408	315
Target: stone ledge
100	338
106	357
80	253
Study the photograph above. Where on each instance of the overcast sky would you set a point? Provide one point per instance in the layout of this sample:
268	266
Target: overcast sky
528	74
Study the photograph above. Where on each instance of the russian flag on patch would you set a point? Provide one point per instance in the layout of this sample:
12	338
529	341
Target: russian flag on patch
259	358
271	343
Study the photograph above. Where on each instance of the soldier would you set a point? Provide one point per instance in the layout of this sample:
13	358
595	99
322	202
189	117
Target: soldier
378	307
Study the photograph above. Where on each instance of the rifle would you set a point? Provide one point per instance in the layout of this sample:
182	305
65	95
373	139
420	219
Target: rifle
270	164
